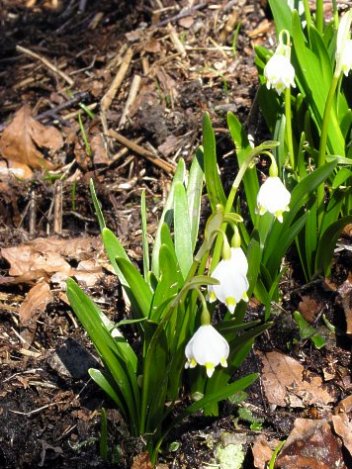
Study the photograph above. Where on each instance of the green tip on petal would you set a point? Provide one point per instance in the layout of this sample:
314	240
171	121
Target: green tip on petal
231	304
210	368
211	296
223	362
279	216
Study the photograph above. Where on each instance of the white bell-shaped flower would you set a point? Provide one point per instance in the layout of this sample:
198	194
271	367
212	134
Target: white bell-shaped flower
273	197
233	284
343	54
207	348
279	72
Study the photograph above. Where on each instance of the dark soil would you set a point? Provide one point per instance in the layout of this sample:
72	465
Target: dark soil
49	409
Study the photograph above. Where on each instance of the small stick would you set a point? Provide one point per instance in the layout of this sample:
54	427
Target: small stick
167	167
46	62
39	409
136	83
176	41
32	213
115	85
73	114
182	14
58	208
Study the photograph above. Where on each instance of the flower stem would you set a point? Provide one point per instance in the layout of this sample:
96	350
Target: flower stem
323	141
307	13
319	15
289	127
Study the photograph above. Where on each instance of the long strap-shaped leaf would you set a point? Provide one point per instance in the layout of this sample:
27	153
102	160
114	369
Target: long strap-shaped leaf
122	372
213	182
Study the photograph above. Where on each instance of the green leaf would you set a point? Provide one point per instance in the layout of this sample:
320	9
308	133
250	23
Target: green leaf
282	15
182	230
155	379
314	75
306	331
341	177
105	385
138	288
114	249
144	237
194	194
327	244
167	215
97	205
243	149
222	394
213	182
168	285
118	359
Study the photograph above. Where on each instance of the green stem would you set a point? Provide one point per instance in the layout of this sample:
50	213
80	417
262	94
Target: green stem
229	203
307	13
319	15
289	127
323	142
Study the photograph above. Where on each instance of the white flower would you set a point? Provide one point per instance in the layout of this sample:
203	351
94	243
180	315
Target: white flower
233	284
208	348
273	197
343	54
279	72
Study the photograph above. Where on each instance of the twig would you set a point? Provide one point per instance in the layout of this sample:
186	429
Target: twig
176	41
46	62
167	167
115	85
39	409
182	14
136	82
32	213
58	208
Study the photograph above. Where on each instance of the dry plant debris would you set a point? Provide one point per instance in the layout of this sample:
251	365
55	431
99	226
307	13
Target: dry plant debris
24	140
287	384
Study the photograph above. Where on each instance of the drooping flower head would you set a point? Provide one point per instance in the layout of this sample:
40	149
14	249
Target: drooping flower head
273	197
278	71
343	54
207	348
231	273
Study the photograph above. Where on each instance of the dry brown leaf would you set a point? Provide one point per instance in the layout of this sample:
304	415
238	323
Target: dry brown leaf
285	384
262	451
44	257
343	427
311	445
142	461
25	259
23	139
345	405
100	154
309	308
35	303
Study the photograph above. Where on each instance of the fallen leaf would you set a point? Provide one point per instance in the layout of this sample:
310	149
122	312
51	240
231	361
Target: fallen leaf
35	303
287	383
25	259
343	427
262	451
24	138
98	146
309	308
311	445
48	258
345	405
142	461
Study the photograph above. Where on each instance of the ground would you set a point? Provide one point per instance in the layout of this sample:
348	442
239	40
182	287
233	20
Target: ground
147	70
